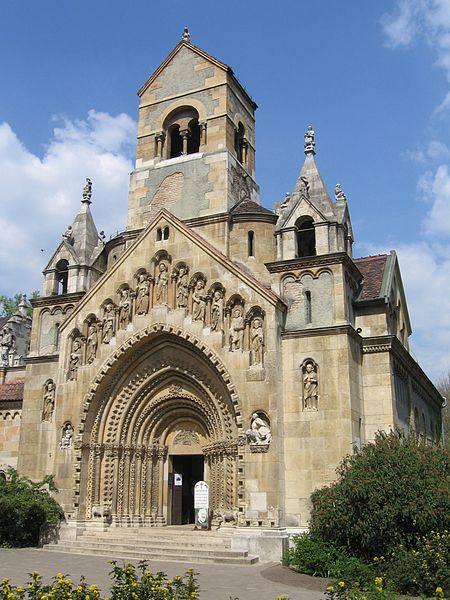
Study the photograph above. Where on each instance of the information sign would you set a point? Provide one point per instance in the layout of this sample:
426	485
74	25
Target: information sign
201	504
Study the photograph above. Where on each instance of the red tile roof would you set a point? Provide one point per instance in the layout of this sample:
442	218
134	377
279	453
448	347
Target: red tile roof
372	269
13	390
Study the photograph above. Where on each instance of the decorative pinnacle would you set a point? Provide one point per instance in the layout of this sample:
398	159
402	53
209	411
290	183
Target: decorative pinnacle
186	37
309	141
339	194
87	191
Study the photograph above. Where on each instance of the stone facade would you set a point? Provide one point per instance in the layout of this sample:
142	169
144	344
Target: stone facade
213	339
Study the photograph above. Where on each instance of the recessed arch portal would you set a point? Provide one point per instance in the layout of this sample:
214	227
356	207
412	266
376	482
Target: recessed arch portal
162	385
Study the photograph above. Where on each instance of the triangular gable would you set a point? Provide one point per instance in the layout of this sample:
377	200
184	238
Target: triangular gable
199	241
289	214
54	259
391	274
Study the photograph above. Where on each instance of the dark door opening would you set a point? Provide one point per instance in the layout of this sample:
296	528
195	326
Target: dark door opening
187	470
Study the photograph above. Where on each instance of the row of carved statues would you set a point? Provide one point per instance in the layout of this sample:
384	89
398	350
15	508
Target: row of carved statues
191	295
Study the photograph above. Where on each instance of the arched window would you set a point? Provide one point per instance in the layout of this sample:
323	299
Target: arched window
62	276
306	237
182	132
308	307
251	243
166	233
159	234
240	143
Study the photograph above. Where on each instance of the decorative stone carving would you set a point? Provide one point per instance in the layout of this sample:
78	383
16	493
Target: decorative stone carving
124	308
186	438
91	343
199	301
109	323
339	194
217	311
182	287
237	327
162	283
142	294
259	432
87	191
49	400
304	186
67	437
310	385
74	359
310	144
8	345
68	235
257	341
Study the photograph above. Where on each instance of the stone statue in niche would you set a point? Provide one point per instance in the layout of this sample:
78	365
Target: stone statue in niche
162	284
49	400
67	437
124	309
75	359
217	311
109	323
182	288
91	343
310	387
259	432
257	341
198	301
142	294
237	327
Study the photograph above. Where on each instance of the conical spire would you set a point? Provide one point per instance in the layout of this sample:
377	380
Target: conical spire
84	232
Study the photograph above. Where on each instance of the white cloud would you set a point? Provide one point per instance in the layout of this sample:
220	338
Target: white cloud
426	19
436	186
40	195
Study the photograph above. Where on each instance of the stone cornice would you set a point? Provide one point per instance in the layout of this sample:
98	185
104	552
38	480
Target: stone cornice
32	360
322	260
57	299
345	329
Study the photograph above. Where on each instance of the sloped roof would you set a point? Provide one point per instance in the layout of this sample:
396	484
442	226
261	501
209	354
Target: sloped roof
372	269
248	206
3	321
12	391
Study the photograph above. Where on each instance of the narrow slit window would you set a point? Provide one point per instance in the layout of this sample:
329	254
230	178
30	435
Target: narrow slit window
166	233
251	243
308	308
159	234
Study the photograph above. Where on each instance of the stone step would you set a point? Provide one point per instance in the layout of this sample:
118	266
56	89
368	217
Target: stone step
157	540
194	556
152	547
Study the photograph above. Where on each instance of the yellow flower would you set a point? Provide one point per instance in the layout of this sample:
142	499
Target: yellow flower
20	589
439	592
330	589
378	580
341	584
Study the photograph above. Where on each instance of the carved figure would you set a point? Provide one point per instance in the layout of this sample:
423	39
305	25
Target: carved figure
68	235
142	295
87	190
182	289
75	359
339	194
91	344
101	512
49	401
67	437
124	309
109	323
310	387
309	139
217	311
198	301
259	432
8	345
237	327
162	282
257	341
304	186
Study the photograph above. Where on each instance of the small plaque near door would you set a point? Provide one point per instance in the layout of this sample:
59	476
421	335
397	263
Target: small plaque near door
201	504
178	479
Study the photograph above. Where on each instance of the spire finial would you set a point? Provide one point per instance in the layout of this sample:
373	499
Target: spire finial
87	191
310	144
186	37
23	306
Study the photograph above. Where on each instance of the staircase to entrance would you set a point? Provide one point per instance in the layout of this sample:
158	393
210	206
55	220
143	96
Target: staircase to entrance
173	543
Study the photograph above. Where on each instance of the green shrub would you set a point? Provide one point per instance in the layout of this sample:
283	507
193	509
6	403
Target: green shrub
315	557
25	509
391	492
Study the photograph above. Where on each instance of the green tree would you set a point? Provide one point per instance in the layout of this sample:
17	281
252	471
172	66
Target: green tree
10	305
391	492
26	507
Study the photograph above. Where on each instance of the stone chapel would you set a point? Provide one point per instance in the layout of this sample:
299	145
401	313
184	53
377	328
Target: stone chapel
212	339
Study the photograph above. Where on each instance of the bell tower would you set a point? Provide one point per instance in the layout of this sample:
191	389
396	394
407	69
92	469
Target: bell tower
196	140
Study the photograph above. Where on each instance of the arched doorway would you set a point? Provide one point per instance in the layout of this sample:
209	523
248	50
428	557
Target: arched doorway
161	418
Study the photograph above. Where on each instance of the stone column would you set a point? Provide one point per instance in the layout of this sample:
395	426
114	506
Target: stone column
159	138
202	125
244	144
185	134
162	455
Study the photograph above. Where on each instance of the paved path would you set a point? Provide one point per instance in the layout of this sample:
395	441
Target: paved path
262	581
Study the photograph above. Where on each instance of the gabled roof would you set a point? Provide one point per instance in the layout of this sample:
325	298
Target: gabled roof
11	391
249	206
317	190
372	269
184	43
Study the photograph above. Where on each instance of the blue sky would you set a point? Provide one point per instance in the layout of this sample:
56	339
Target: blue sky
371	77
